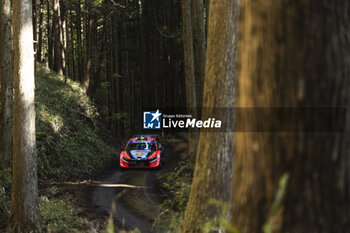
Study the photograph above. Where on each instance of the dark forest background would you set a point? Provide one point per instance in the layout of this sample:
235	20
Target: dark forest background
128	54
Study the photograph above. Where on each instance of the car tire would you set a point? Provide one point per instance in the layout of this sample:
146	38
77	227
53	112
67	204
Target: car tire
161	164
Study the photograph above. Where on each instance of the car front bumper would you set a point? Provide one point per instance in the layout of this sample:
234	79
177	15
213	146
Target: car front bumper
139	163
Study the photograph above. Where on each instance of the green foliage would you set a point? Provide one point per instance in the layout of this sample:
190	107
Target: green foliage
105	84
57	213
68	143
277	207
178	184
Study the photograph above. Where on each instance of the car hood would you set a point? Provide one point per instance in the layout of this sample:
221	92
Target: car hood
139	154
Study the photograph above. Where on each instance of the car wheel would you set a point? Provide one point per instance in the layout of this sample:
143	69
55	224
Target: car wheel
161	164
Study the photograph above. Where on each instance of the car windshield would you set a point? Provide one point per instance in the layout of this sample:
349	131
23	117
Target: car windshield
152	146
137	146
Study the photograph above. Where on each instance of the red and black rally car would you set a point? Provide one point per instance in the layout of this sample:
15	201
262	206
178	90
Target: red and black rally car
142	151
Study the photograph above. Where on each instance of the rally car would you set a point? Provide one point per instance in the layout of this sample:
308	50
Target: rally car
142	152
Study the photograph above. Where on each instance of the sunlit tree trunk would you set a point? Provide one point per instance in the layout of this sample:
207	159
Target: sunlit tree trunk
213	172
6	82
63	37
25	213
293	54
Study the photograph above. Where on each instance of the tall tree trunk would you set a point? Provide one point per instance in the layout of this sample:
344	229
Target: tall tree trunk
49	37
72	50
6	81
34	14
198	47
116	69
63	37
40	36
213	171
57	25
191	96
79	41
127	86
101	56
88	52
24	199
298	56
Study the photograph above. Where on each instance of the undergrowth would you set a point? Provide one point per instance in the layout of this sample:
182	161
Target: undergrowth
69	146
177	186
56	213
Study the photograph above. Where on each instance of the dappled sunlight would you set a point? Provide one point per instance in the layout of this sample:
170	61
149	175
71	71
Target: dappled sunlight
55	121
67	144
70	92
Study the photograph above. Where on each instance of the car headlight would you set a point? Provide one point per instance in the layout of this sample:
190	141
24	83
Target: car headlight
154	155
124	156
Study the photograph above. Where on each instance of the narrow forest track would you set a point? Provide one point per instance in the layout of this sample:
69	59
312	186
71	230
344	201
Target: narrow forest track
135	195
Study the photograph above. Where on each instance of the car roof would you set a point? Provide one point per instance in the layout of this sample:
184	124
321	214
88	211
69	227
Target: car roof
155	136
142	139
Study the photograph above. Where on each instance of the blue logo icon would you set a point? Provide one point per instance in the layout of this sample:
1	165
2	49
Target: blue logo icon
151	120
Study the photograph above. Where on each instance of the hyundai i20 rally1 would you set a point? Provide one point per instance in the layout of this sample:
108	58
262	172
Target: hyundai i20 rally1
141	152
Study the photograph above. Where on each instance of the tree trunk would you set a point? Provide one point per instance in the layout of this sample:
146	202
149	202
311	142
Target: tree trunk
116	69
40	36
298	56
213	171
57	25
72	49
63	37
6	81
34	21
101	57
198	47
79	41
127	86
24	200
88	53
49	37
191	96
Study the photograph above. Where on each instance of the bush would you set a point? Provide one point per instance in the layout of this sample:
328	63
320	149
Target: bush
177	183
57	213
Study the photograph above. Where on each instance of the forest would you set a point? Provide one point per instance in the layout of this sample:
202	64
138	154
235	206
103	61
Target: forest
250	96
